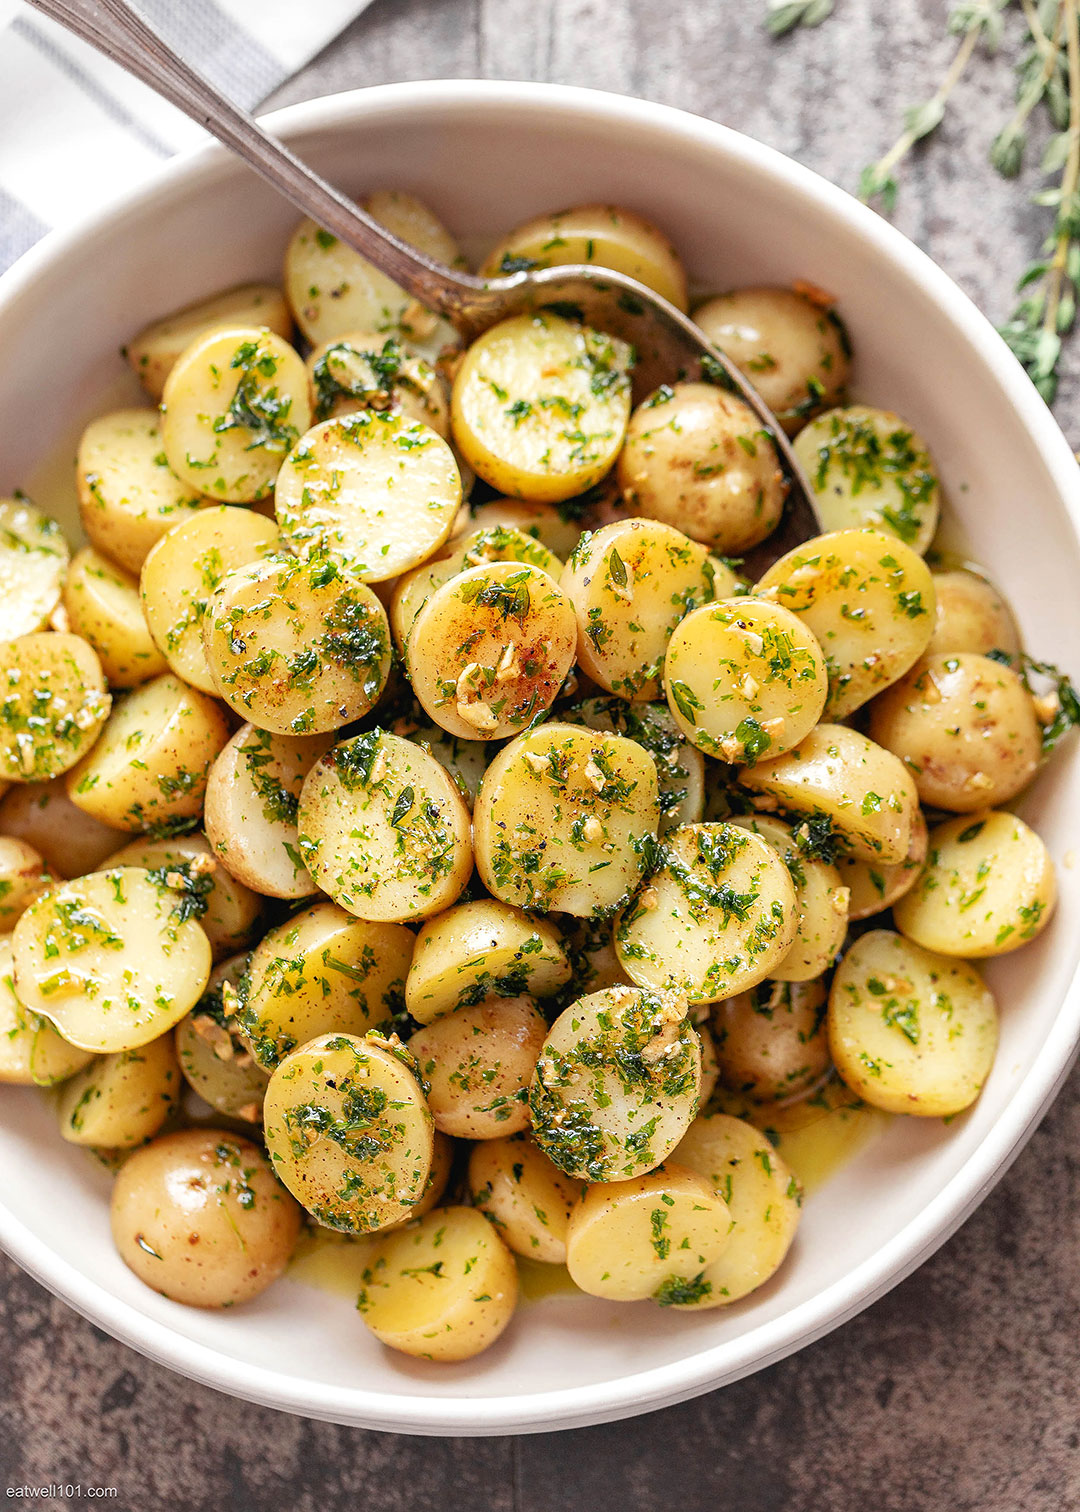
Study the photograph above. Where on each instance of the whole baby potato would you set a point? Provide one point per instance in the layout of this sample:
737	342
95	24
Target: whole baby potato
200	1217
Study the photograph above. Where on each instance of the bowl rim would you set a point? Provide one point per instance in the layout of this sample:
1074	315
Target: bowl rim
720	1364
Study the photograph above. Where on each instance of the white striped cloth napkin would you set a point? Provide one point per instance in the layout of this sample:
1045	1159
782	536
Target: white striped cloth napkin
75	129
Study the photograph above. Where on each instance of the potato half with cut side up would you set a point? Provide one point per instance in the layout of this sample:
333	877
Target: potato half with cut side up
376	492
965	727
33	565
771	1042
349	1132
556	527
214	1061
23	877
252	799
617	1083
489	649
154	351
478	950
122	1099
680	766
628	1240
821	902
69	840
103	606
478	1062
443	1288
32	1050
384	830
605	236
763	1198
911	1031
321	972
365	370
715	917
198	1217
565	820
149	765
53	704
867	467
697	458
837	776
296	647
181	572
113	959
528	1199
988	887
873	887
790	343
630	583
744	679
129	496
540	404
869	601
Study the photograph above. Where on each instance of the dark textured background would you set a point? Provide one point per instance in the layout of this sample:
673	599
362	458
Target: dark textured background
959	1390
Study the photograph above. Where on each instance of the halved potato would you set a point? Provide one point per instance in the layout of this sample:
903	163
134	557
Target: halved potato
103	606
32	1051
154	351
478	950
53	706
122	1099
228	911
528	1199
33	564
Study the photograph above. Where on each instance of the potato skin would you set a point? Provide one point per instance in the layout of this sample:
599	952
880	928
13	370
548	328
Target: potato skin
478	1062
971	616
200	1217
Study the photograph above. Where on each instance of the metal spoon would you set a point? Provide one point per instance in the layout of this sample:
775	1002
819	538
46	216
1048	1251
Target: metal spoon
668	345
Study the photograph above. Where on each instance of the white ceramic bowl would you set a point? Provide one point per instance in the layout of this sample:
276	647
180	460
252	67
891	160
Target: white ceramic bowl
486	155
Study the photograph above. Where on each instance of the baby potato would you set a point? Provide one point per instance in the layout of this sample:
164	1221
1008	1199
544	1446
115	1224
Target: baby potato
128	494
478	1063
630	583
252	798
349	1131
539	406
23	877
103	606
215	1062
154	351
71	843
384	830
697	458
113	959
333	290
971	615
149	766
965	727
320	972
770	1041
490	648
565	819
867	467
744	678
628	1240
616	1084
227	910
763	1199
296	647
556	528
821	902
872	887
412	590
233	404
32	1052
680	766
790	343
862	791
608	236
867	598
180	575
53	707
987	888
502	543
364	370
442	1288
529	1200
33	564
717	915
199	1217
122	1099
478	950
375	492
910	1031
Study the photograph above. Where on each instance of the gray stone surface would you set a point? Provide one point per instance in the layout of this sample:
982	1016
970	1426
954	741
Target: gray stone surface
958	1390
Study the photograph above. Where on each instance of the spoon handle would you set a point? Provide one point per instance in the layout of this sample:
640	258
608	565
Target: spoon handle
122	35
